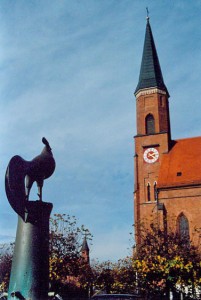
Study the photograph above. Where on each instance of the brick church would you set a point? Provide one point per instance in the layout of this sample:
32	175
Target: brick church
167	172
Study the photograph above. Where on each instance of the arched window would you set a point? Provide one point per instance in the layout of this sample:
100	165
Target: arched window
183	226
148	192
155	191
150	124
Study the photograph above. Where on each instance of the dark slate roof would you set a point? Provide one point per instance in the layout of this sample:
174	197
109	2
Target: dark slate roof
150	72
85	246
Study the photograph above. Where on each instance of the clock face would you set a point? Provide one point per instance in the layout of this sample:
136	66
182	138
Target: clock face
151	155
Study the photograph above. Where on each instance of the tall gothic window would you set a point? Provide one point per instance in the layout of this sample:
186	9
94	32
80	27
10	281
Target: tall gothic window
155	191
150	124
183	226
148	192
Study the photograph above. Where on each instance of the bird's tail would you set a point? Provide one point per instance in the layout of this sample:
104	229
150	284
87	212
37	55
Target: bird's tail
14	184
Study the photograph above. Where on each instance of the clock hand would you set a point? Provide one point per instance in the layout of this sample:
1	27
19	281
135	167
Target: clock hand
152	155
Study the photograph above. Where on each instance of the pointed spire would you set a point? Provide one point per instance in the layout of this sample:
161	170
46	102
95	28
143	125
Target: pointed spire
150	72
85	246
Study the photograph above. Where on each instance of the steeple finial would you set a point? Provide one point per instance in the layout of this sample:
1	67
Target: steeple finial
147	14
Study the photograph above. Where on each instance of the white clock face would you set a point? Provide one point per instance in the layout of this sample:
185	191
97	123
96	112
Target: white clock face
151	155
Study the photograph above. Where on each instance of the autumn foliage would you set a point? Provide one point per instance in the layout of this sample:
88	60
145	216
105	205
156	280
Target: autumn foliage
5	265
163	262
67	267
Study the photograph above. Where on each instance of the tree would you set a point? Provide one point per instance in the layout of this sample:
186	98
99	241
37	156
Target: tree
124	276
66	263
114	277
166	261
103	276
6	255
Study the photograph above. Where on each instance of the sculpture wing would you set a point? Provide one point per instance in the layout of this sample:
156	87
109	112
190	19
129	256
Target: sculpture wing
14	184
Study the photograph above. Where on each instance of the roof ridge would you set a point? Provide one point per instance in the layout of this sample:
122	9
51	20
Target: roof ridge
188	138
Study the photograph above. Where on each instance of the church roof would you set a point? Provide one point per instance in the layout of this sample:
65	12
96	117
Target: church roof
150	72
181	166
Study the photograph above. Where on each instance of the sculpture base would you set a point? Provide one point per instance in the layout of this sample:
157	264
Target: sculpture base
30	266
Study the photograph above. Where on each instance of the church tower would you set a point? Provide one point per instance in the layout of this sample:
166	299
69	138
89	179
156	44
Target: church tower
153	131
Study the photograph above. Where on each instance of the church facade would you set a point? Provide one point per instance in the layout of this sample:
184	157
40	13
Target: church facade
167	188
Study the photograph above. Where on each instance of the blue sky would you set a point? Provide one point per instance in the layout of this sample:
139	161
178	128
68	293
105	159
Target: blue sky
68	70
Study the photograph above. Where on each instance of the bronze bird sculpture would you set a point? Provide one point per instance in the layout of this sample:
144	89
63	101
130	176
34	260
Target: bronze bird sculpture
21	174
